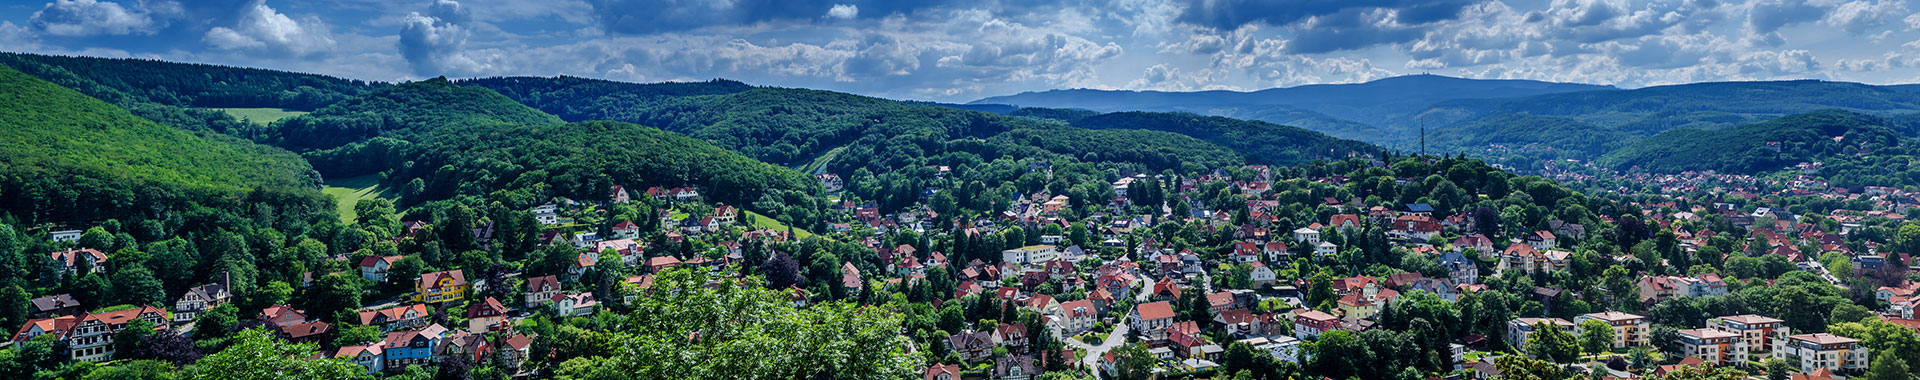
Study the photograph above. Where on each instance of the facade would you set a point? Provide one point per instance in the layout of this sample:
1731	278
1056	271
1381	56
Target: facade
1151	320
374	268
1759	331
1809	352
1311	323
1714	346
440	287
91	339
1519	329
1030	255
198	299
1629	330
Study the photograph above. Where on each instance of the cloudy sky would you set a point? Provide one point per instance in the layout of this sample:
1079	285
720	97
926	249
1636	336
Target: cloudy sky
958	50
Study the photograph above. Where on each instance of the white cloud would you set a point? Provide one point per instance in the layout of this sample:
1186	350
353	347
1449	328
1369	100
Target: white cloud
261	28
843	11
76	18
1859	17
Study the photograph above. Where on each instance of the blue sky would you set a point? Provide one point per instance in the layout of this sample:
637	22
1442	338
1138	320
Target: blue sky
959	50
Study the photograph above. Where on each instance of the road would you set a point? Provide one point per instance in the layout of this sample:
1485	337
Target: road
1092	360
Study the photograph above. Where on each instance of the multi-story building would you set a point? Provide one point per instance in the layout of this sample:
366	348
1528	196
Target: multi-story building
1311	323
1809	352
198	299
1151	319
1519	328
440	287
411	347
1628	329
91	339
1714	346
1759	331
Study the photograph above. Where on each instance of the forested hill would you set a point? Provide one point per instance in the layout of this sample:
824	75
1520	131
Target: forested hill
1835	137
400	111
187	84
1265	142
844	132
69	158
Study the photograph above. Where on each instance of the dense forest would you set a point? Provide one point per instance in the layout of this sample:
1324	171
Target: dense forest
193	85
400	111
1759	147
71	159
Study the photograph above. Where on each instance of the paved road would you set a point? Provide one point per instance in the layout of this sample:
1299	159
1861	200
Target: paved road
1092	360
1146	291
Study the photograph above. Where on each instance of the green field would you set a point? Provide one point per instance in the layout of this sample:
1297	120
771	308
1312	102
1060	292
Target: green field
349	191
261	116
814	166
763	222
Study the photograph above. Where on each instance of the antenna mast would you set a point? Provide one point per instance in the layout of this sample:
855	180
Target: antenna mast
1423	136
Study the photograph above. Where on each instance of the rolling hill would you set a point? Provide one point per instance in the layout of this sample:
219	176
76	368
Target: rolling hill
1760	147
67	157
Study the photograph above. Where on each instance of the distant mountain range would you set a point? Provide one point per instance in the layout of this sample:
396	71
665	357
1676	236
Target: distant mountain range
1474	115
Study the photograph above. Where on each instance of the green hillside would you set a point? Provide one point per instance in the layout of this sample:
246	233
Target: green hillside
1264	142
400	111
57	144
1746	149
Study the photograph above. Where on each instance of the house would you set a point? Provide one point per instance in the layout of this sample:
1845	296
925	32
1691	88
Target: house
574	305
1654	289
1475	242
488	315
411	347
1077	317
1759	331
547	214
831	182
941	372
515	349
626	230
1810	352
55	305
372	356
396	318
1151	319
71	260
541	289
283	315
619	194
1460	269
1276	252
441	286
1526	258
1519	329
1030	255
91	338
1311	323
1218	302
1542	240
65	236
1714	346
1325	248
1262	275
1367	302
59	327
374	268
1306	236
1346	223
1014	367
198	299
1013	336
971	345
1415	227
1629	330
314	332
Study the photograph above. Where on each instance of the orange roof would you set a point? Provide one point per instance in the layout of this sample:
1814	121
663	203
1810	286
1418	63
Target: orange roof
1154	310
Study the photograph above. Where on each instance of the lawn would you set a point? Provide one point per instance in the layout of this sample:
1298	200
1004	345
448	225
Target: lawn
813	167
763	222
349	191
261	116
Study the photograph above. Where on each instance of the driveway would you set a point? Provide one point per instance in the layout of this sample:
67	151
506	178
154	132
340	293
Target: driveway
1092	360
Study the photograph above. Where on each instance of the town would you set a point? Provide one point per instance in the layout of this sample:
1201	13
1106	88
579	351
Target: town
1408	268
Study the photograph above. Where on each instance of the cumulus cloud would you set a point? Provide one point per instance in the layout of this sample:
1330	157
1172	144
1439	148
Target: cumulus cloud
1858	17
262	29
1767	16
843	11
75	18
435	43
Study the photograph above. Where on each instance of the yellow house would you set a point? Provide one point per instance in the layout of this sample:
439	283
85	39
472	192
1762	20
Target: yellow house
440	287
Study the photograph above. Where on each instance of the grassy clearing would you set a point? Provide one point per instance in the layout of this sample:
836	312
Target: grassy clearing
821	161
349	191
763	222
261	116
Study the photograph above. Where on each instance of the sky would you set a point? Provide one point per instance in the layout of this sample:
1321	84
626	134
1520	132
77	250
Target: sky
961	50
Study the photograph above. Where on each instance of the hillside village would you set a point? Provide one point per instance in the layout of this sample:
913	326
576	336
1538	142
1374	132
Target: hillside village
1236	269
